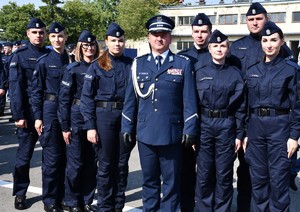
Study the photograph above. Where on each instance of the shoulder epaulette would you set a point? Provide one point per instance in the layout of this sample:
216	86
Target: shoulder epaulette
21	49
44	55
183	56
72	65
291	63
137	57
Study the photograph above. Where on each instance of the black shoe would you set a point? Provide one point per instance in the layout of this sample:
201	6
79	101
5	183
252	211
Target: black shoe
89	208
52	208
75	209
118	210
20	202
293	185
64	206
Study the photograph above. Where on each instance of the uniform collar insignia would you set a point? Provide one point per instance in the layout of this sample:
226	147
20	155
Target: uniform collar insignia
149	58
171	58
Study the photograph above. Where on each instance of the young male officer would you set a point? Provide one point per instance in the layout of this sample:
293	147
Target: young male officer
20	75
160	105
199	55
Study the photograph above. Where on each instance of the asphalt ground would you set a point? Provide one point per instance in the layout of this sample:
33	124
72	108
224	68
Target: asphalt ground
8	148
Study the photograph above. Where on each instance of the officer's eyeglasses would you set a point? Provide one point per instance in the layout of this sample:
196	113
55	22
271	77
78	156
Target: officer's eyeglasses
87	45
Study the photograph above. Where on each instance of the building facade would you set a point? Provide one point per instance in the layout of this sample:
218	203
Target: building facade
231	20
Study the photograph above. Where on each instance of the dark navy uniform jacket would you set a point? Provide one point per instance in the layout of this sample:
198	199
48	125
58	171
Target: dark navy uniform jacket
274	85
47	79
4	77
2	74
21	70
221	87
199	57
249	50
170	110
101	85
70	89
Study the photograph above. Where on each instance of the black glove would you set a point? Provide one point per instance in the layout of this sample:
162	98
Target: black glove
128	139
188	140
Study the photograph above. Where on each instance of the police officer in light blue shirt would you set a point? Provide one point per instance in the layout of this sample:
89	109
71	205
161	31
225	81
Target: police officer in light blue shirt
160	110
45	89
20	76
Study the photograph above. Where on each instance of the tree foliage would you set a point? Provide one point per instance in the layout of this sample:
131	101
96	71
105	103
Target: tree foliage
169	2
77	15
14	20
133	15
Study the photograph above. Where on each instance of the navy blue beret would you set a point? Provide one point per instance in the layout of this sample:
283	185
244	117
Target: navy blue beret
56	28
255	9
200	20
160	23
217	37
86	36
270	28
114	30
35	23
7	44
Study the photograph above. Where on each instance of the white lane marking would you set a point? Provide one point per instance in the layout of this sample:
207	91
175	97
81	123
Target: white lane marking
37	190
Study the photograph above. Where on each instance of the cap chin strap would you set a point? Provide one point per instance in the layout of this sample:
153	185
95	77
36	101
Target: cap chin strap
136	85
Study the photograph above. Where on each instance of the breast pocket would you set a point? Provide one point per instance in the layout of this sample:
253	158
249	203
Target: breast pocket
279	93
203	88
144	81
106	84
253	93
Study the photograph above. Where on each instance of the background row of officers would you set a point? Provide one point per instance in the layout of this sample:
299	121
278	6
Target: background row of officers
191	114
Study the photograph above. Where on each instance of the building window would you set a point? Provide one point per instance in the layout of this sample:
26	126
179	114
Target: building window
212	19
228	19
184	45
185	20
277	17
243	19
296	17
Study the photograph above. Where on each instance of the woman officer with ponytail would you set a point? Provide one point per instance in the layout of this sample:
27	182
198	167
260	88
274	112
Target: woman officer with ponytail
101	105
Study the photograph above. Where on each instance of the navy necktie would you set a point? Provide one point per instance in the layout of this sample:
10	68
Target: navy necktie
158	63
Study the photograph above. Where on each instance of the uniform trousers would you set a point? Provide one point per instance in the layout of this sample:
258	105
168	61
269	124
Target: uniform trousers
113	156
269	165
27	138
215	158
81	167
161	161
54	157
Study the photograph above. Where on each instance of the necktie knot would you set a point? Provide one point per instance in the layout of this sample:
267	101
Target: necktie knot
158	61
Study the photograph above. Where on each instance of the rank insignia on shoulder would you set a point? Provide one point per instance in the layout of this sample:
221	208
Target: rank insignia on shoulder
88	76
174	71
183	56
65	83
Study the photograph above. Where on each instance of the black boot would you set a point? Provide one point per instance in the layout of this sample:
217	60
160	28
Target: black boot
292	182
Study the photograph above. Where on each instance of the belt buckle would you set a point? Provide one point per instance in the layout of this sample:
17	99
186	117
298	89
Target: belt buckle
214	114
263	112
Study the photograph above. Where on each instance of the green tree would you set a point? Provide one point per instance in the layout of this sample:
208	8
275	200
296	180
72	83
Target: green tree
14	20
133	15
169	2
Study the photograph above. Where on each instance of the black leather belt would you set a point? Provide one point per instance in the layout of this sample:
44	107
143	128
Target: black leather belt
214	113
76	101
112	105
264	111
50	97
